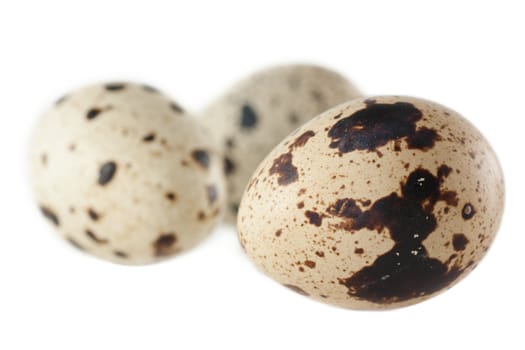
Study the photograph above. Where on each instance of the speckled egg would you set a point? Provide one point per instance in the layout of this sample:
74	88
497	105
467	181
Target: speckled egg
124	174
377	203
257	113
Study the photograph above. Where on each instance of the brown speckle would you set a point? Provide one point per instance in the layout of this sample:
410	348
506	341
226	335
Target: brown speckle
444	171
284	169
468	211
300	205
229	166
310	263
302	140
377	124
248	117
314	218
93	113
171	196
149	137
359	251
106	173
278	232
50	215
115	87
93	215
120	254
459	242
201	157
94	237
164	244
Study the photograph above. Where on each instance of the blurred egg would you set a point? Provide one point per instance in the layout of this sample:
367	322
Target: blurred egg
124	174
258	112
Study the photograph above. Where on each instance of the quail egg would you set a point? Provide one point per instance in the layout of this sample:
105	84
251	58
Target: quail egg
257	113
377	203
124	174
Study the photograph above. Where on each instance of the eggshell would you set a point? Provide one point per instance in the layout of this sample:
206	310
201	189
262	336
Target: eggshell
124	174
377	203
258	112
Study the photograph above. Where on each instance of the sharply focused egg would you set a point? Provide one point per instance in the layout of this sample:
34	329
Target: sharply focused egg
258	112
376	203
124	174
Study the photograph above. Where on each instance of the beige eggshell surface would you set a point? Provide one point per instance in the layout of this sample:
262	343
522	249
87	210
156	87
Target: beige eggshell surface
258	112
377	203
124	174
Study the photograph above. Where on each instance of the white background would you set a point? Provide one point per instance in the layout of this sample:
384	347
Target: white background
469	57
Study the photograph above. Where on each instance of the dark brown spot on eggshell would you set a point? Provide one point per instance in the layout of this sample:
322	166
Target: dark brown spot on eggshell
302	140
93	113
164	244
309	263
459	242
115	87
95	238
314	218
284	169
120	254
378	124
106	173
149	137
248	117
93	215
201	157
171	196
229	166
406	271
444	171
468	211
50	215
278	233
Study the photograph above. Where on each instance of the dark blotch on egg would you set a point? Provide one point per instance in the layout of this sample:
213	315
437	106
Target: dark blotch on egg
106	173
